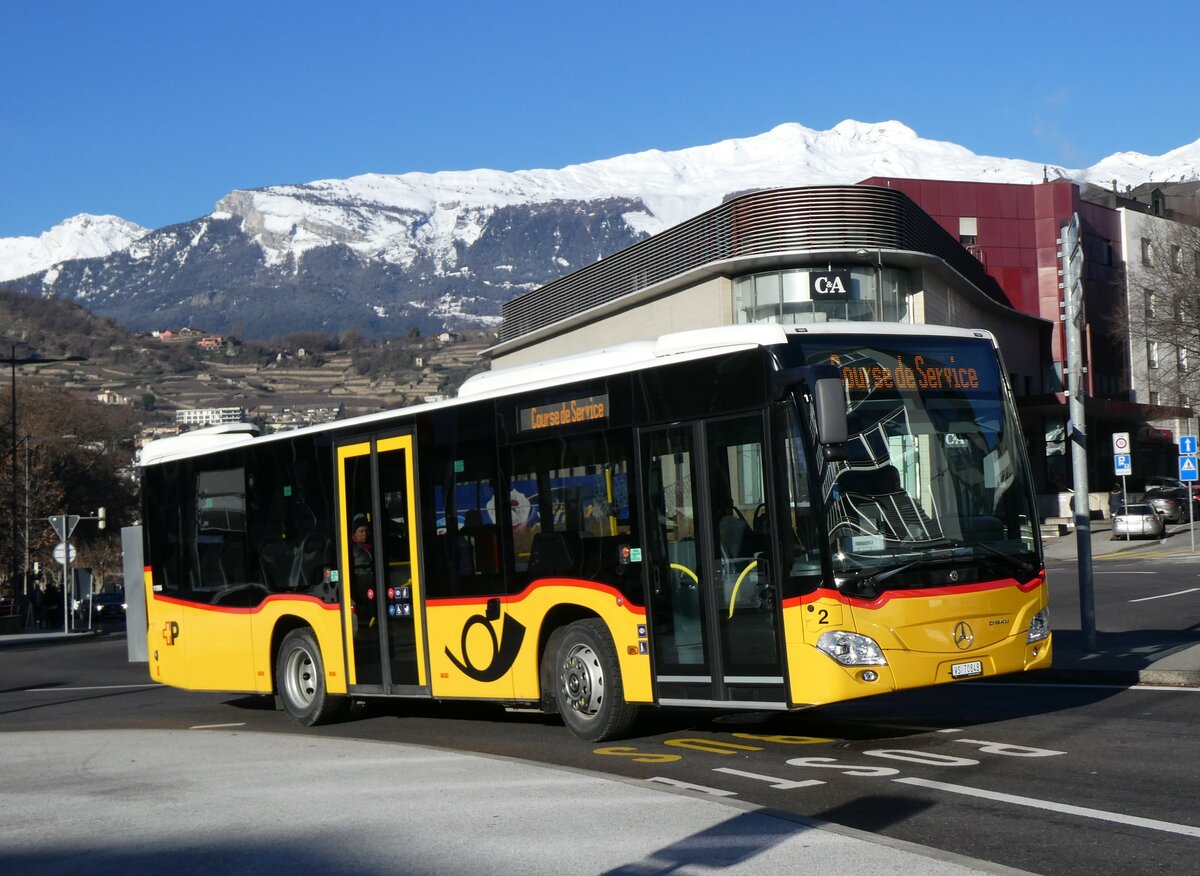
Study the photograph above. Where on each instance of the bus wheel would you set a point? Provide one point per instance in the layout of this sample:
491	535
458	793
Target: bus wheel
300	681
588	683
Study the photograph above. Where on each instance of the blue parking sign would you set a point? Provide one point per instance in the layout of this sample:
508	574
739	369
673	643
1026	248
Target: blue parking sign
1187	468
1122	464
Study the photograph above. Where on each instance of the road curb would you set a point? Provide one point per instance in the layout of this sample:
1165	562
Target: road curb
1123	677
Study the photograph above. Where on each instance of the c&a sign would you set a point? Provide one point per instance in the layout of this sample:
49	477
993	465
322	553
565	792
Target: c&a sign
829	285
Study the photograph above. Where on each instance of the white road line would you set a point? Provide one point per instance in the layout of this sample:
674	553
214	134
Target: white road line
216	726
703	789
1124	573
774	781
1065	808
1165	595
98	687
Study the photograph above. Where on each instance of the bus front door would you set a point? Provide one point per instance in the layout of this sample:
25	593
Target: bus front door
714	615
379	567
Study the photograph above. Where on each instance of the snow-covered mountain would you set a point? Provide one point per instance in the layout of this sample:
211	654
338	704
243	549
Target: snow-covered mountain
384	252
80	237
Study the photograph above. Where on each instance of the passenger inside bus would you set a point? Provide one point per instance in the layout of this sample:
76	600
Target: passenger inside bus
363	576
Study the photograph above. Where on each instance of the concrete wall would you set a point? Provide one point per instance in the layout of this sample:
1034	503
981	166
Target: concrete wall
705	305
1019	338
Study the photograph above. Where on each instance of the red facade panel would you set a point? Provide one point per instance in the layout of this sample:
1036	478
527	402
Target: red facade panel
988	201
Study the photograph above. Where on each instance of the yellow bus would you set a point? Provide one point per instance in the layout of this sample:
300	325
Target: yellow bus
752	517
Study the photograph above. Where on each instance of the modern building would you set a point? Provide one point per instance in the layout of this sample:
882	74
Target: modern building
1014	231
209	416
1162	262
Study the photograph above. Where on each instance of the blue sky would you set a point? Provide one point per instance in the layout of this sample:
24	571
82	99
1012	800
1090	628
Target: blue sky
155	110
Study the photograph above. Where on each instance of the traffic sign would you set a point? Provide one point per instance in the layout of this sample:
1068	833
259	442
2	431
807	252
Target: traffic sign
1122	464
1187	468
63	553
64	525
1120	442
1187	445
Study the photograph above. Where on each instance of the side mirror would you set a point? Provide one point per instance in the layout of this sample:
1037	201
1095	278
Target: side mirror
829	398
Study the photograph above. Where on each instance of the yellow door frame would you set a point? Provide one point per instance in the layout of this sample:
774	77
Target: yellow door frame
359	449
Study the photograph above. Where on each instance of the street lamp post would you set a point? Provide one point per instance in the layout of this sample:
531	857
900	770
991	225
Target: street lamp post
13	360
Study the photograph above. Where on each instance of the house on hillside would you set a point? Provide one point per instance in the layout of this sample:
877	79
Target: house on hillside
112	397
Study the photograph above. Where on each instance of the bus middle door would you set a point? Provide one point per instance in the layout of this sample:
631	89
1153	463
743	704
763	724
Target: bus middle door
713	614
379	559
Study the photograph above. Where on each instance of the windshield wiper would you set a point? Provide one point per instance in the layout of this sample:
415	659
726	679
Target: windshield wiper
864	582
1011	560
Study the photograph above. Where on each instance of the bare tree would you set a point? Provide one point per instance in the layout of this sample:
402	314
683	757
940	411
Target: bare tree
73	456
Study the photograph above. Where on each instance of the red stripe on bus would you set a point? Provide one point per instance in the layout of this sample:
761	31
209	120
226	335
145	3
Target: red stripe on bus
224	609
573	583
922	593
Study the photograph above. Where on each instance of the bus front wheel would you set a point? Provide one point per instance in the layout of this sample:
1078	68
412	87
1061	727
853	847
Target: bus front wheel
300	681
588	686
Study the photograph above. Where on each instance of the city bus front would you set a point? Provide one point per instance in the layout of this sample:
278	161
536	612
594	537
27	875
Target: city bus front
914	557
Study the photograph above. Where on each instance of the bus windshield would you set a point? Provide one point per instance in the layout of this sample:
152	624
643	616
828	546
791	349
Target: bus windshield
935	472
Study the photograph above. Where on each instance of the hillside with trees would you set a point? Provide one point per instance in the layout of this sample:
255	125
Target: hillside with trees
73	454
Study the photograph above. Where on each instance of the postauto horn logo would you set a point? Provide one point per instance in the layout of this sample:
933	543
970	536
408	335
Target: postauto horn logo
504	648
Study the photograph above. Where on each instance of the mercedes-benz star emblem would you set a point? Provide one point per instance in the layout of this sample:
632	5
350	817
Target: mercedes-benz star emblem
963	635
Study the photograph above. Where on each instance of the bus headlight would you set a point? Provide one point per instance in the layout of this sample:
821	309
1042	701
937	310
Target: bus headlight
851	649
1039	626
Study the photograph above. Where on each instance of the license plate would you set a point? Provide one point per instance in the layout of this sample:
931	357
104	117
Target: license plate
966	670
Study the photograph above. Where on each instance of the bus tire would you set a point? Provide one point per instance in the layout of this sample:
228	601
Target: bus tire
300	681
591	698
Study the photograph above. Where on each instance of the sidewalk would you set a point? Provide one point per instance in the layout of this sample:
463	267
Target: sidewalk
27	636
1136	657
238	803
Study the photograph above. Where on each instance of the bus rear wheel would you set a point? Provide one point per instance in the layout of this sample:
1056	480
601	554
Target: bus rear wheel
300	681
588	686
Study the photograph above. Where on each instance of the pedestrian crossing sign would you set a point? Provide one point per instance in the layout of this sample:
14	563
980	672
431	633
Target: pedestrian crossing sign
1187	468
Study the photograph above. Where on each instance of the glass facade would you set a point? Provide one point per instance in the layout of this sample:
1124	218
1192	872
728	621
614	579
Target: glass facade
879	294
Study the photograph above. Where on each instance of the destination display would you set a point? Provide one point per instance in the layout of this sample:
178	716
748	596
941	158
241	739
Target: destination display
590	409
957	372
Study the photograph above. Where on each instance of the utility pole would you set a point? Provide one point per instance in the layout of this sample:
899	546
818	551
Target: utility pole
13	360
1072	286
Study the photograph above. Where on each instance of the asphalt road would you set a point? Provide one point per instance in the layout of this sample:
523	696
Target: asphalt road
1044	778
1151	587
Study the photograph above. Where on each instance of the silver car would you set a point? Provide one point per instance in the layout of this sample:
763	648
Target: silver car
1137	520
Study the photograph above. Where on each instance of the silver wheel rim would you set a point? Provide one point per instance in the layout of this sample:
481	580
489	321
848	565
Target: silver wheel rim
582	680
300	677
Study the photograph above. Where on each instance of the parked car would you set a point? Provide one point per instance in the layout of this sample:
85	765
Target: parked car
1172	503
1157	483
108	605
1137	520
1172	508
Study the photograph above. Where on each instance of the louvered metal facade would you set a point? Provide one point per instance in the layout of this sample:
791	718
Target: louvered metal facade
766	223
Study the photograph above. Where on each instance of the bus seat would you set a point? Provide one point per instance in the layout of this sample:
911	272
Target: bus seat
485	541
735	535
275	558
233	562
553	553
879	498
308	566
